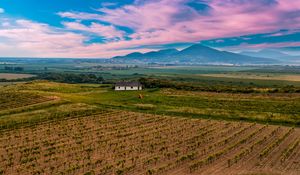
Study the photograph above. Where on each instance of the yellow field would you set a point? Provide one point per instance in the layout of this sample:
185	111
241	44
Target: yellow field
9	76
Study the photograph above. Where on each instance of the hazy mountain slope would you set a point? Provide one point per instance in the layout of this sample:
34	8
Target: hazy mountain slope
274	54
266	53
194	54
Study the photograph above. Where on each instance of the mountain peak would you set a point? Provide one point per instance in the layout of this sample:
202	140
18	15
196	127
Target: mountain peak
198	46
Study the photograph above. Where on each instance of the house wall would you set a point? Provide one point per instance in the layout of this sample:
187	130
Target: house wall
120	88
128	88
134	88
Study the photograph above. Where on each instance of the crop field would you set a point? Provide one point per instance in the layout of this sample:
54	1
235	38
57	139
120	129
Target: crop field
118	142
9	76
258	76
12	99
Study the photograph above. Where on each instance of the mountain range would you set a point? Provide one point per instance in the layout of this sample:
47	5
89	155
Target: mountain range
195	54
271	53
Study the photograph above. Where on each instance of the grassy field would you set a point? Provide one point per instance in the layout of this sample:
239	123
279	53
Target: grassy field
275	108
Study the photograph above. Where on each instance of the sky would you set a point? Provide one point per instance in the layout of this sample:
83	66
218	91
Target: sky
103	29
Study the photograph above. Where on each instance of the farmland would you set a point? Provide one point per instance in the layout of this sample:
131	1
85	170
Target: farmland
272	108
15	100
117	142
264	76
58	128
9	76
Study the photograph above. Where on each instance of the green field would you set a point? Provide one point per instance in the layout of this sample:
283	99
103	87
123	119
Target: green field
266	94
274	108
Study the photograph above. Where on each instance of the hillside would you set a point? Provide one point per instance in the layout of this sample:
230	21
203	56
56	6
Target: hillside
196	54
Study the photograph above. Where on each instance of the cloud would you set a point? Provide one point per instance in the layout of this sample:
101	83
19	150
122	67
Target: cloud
28	38
2	10
107	31
38	38
247	46
146	23
25	31
280	38
109	4
169	21
80	15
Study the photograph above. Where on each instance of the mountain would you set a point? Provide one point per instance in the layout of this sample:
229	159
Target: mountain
274	54
204	54
266	53
156	56
130	56
165	52
147	57
195	54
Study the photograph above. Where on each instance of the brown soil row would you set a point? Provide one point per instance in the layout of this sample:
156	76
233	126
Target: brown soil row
119	142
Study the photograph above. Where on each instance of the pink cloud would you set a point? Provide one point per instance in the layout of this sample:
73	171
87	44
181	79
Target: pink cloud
109	32
154	22
38	38
28	38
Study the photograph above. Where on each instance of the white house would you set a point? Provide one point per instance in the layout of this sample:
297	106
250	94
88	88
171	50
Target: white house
128	86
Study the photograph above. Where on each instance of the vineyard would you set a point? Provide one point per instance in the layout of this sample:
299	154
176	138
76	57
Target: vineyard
12	99
119	142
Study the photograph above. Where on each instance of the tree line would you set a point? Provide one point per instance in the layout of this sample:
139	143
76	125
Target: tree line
62	78
164	83
71	77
